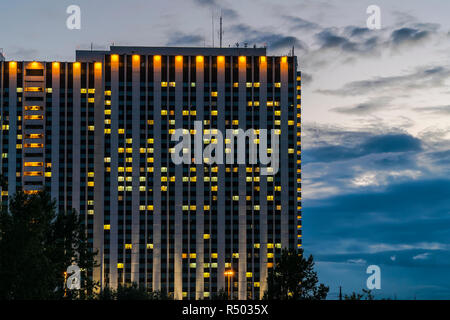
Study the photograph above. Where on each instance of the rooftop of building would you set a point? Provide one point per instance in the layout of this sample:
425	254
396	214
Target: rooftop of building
91	55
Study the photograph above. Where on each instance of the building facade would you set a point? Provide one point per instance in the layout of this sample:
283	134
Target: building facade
97	133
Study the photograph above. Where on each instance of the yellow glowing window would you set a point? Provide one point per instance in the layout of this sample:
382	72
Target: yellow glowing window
256	246
91	90
34	145
107	92
149	245
277	84
34	89
192	265
235	255
236	84
206	275
107	159
172	84
107	227
91	100
150	207
19	90
48	174
270	255
34	117
214	94
83	90
128	246
90	183
164	112
91	128
164	84
193	255
192	84
33	108
33	164
249	274
107	131
108	102
33	173
270	198
206	236
107	112
120	266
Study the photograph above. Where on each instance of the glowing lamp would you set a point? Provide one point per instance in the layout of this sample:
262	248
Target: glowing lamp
242	59
221	59
114	58
199	59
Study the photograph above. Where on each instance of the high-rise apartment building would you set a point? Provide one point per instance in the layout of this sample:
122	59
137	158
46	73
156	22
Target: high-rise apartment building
97	133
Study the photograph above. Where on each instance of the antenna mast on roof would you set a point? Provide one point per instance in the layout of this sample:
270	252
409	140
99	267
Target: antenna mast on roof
220	31
212	26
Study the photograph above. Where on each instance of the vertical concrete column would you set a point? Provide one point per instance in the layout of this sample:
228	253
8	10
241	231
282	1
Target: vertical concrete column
56	91
284	161
178	263
76	107
157	175
113	246
12	128
242	280
99	169
221	176
263	179
135	134
200	85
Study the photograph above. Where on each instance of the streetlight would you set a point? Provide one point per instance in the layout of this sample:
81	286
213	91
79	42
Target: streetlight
229	274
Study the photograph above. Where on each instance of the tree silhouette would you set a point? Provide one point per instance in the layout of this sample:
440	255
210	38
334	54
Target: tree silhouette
294	277
37	244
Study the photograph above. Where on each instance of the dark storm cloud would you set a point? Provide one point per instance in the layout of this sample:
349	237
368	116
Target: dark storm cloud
365	107
386	220
422	77
408	36
215	4
179	39
443	110
274	41
388	143
297	23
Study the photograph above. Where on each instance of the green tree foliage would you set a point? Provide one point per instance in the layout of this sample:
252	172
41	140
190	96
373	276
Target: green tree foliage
294	277
37	244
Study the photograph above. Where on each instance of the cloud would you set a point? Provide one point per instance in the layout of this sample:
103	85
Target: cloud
420	78
215	4
387	143
422	256
365	108
408	36
357	261
179	39
297	23
440	110
274	41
